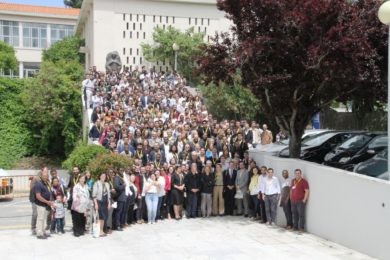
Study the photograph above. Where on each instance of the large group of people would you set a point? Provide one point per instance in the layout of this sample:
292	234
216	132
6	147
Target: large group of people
186	163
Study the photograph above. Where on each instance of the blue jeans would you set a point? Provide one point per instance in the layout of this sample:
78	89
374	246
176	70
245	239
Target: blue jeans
159	206
256	206
192	204
151	200
59	224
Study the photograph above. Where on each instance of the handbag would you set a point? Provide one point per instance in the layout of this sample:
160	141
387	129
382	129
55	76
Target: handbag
96	225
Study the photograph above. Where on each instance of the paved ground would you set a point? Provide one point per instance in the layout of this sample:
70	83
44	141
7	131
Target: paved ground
215	238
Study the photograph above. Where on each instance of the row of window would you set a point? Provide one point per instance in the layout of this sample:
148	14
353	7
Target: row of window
34	34
136	35
160	18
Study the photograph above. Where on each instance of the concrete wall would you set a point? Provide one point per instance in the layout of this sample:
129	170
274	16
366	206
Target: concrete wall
344	207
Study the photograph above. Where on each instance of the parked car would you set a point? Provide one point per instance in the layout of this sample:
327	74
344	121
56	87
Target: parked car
276	147
316	147
374	167
376	145
341	156
6	185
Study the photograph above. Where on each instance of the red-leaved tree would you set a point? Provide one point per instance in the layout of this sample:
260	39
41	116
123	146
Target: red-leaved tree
296	56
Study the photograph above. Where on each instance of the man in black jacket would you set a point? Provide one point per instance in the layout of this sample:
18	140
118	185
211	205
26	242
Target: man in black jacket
192	184
229	190
119	186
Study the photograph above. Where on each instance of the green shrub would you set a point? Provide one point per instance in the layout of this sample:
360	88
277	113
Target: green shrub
8	59
66	49
16	139
82	155
104	162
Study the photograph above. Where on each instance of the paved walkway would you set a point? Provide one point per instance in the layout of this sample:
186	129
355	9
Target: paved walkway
215	238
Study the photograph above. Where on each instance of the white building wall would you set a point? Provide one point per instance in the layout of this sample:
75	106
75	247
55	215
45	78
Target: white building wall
344	207
116	27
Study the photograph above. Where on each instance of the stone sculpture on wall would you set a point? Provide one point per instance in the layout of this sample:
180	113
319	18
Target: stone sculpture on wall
113	62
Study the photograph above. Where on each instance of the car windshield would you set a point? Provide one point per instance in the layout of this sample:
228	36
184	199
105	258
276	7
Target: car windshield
378	142
356	142
308	136
318	139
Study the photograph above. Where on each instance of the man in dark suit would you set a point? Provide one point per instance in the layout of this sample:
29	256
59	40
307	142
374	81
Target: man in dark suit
119	186
229	190
145	100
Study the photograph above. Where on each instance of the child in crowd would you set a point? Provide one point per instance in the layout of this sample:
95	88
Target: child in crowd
59	214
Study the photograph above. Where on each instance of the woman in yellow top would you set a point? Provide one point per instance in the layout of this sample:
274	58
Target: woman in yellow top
254	189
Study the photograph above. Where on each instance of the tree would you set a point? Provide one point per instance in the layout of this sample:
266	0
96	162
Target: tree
161	50
296	56
8	59
82	155
53	104
73	3
231	101
66	49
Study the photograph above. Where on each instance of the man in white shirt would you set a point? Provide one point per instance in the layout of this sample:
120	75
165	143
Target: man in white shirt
87	90
261	181
271	194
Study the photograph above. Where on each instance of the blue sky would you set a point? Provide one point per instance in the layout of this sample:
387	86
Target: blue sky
59	3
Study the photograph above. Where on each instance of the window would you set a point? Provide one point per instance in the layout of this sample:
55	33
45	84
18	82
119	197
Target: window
131	34
154	18
140	60
201	21
163	26
131	51
144	35
133	26
208	22
144	18
160	19
59	32
9	32
140	26
131	17
127	26
35	35
137	17
137	35
124	17
173	19
189	21
127	59
124	51
133	60
196	21
137	51
124	34
167	19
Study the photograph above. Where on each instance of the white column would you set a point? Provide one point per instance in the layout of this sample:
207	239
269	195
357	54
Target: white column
21	70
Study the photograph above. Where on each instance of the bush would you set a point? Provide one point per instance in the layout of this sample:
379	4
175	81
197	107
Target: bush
104	162
82	155
8	59
16	139
66	49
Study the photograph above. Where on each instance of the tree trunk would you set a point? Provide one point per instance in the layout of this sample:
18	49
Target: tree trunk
295	141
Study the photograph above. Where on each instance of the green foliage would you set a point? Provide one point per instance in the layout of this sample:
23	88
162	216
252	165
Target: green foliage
189	43
16	140
66	49
82	155
104	162
53	104
8	59
73	3
231	102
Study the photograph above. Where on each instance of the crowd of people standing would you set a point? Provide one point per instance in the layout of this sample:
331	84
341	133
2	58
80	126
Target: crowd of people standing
186	163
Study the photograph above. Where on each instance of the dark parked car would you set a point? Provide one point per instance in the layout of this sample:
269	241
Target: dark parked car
374	167
341	156
315	148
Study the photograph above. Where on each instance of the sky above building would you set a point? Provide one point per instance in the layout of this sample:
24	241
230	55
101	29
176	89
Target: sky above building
57	3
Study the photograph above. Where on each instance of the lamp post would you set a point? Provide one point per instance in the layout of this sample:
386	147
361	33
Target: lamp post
384	17
175	48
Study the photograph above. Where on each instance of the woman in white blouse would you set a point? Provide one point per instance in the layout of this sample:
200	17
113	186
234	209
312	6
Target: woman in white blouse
81	199
152	188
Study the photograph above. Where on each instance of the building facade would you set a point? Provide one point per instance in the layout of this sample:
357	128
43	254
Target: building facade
31	29
122	25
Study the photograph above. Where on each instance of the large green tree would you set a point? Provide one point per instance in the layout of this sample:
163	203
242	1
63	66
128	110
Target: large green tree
296	56
53	99
161	50
231	101
8	59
